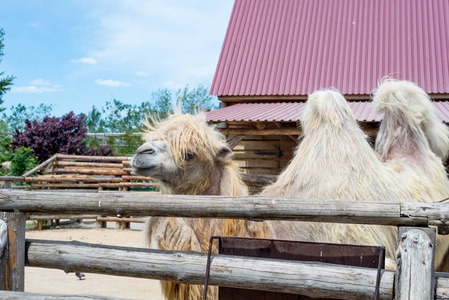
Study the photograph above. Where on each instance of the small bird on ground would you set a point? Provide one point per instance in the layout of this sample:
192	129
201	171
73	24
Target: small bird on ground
80	275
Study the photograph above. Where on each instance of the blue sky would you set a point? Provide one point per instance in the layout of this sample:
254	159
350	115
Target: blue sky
78	53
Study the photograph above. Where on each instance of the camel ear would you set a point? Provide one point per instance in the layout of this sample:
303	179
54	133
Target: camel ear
225	154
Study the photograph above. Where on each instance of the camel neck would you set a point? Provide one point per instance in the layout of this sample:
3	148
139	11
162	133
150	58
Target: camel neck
214	187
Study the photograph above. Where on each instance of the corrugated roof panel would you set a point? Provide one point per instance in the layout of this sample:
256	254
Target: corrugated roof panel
294	47
292	112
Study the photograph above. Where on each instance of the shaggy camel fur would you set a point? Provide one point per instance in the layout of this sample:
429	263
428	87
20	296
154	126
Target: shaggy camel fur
189	157
335	161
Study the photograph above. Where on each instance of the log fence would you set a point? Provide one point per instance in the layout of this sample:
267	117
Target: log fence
413	280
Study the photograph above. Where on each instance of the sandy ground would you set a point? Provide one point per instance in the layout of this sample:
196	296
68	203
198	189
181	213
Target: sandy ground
40	280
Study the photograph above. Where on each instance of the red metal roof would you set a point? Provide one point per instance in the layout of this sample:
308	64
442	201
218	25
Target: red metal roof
292	111
294	47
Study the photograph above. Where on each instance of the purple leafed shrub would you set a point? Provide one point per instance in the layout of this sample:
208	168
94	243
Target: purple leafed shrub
56	135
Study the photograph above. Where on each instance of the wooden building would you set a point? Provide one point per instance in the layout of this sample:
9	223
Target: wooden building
276	52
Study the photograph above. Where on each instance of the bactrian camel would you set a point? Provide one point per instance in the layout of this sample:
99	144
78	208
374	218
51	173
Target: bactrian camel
189	157
335	161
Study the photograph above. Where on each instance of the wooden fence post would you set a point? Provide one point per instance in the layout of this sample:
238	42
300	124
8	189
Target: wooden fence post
415	273
12	263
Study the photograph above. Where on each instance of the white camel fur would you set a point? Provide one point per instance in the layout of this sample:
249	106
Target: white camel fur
187	156
335	161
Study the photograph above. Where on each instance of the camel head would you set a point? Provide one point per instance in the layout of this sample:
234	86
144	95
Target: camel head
183	153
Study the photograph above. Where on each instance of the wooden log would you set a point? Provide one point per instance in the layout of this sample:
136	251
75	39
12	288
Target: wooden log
65	185
87	164
11	178
139	184
74	178
110	171
234	141
130	177
93	158
415	274
118	219
258	180
63	216
247	207
310	279
275	131
12	265
126	163
40	296
44	164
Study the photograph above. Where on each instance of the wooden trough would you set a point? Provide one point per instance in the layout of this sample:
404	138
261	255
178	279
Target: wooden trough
413	280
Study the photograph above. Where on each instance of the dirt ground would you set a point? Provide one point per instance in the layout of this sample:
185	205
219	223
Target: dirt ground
40	280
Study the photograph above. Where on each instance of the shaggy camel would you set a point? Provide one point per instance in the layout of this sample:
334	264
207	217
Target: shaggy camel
189	157
335	161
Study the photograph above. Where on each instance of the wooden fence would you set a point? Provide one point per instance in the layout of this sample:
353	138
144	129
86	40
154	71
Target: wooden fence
411	281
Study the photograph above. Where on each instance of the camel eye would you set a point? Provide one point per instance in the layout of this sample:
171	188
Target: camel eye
189	156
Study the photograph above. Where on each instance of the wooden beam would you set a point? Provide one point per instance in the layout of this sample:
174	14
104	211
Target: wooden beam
52	217
247	207
234	141
309	279
415	274
44	164
12	264
274	131
258	180
93	158
110	171
119	219
40	296
88	164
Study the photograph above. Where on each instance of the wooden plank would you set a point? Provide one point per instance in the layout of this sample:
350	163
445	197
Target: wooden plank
12	276
258	163
257	145
265	132
310	279
130	177
118	219
139	184
415	274
93	158
258	180
63	216
74	178
40	296
88	164
65	185
248	207
75	170
234	141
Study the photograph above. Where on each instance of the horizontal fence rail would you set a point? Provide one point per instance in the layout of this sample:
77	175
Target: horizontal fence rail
305	278
250	207
309	279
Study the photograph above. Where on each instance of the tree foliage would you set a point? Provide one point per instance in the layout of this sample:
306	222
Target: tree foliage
63	135
5	82
20	113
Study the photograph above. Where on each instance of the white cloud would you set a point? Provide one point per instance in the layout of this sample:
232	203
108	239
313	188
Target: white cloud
110	82
35	89
178	41
85	60
142	74
38	86
40	81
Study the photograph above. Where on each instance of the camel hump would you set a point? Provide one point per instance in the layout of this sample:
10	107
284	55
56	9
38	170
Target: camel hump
326	107
409	105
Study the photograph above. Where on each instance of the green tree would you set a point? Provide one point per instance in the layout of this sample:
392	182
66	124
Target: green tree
20	113
195	100
5	82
